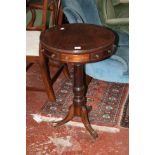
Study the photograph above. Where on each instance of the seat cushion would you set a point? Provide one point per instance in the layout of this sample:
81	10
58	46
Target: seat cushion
123	38
32	43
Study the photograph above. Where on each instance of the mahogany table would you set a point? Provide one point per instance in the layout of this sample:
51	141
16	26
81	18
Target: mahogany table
78	44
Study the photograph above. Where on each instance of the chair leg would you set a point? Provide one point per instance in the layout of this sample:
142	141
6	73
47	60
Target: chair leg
28	65
66	71
88	80
45	72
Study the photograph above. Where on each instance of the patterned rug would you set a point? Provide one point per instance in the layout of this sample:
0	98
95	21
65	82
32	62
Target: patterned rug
108	100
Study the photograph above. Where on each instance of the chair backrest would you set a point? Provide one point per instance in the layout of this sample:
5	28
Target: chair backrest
109	11
81	11
42	27
106	10
53	6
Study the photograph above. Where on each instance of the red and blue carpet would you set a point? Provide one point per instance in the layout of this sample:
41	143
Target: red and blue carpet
109	101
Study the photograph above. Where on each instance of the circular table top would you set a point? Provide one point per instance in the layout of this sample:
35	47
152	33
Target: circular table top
77	38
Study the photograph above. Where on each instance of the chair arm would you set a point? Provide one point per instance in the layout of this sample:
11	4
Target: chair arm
117	21
117	2
33	18
72	15
30	26
34	28
124	1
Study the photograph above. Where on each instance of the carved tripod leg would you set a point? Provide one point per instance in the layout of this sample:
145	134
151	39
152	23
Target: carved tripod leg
67	118
85	120
79	107
89	108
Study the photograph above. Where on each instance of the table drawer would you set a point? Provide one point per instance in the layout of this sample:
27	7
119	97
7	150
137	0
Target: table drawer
101	55
54	56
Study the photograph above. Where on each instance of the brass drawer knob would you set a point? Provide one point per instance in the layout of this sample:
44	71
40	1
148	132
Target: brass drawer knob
109	51
53	56
114	47
97	56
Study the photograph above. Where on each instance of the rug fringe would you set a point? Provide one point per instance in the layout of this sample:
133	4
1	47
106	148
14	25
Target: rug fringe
122	109
39	118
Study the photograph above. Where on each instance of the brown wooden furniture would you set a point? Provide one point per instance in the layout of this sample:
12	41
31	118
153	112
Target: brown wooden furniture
52	5
77	44
32	48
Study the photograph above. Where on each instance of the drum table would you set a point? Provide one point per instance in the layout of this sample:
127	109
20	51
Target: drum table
78	44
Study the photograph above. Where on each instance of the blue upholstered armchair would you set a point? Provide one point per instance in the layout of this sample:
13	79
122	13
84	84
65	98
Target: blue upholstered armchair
113	69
